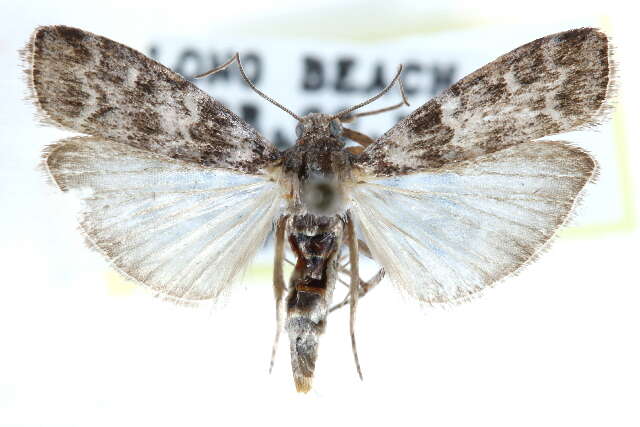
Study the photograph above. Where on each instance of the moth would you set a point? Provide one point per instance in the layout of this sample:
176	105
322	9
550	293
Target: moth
180	193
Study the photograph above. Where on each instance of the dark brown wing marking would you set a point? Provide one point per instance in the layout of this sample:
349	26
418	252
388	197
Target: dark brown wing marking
90	84
555	84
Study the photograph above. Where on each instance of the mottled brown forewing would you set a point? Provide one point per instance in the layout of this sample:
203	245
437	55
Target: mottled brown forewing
554	84
90	84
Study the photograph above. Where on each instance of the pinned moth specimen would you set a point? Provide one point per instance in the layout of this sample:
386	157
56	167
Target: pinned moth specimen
180	193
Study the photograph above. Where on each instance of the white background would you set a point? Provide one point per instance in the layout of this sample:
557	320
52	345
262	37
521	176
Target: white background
557	345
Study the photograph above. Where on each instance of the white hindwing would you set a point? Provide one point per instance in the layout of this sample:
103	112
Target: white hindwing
184	230
446	233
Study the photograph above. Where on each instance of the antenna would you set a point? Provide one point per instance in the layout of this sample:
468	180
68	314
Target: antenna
349	118
373	98
236	58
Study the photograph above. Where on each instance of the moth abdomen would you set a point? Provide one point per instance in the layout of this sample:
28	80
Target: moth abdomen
316	242
304	337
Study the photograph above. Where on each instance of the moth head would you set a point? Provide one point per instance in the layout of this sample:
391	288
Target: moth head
317	125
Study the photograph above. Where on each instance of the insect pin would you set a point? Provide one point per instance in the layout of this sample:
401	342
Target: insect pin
180	193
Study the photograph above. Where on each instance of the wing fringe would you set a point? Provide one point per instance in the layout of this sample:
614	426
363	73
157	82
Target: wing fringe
27	58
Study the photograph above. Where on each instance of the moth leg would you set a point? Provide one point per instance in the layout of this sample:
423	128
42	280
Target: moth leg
278	283
358	137
364	249
343	261
365	287
353	288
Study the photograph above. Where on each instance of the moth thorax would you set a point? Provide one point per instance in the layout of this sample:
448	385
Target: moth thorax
322	196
